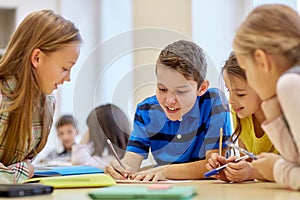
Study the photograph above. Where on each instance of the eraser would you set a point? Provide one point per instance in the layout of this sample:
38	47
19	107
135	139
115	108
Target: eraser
159	187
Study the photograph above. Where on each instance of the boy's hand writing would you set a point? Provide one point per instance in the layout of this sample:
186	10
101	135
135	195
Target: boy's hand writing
153	174
116	171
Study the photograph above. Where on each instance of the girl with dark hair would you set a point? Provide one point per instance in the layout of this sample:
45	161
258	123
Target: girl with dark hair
104	122
247	119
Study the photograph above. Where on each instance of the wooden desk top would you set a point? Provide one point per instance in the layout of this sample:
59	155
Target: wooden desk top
206	189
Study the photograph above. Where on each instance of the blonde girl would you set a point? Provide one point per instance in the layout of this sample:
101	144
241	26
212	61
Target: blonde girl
39	57
267	46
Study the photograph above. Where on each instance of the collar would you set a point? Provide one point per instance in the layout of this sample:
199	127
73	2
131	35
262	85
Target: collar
10	84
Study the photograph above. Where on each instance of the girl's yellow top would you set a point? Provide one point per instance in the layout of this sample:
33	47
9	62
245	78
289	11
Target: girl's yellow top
249	139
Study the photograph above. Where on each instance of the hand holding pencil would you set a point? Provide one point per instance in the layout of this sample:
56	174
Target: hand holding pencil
118	170
218	169
115	153
232	169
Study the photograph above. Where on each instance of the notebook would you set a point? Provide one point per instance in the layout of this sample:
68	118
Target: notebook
169	181
65	170
144	192
75	181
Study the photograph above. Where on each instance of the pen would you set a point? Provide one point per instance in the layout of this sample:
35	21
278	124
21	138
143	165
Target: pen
217	170
115	153
251	155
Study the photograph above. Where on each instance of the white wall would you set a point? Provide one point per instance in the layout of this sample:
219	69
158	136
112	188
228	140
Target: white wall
99	69
102	63
28	6
75	97
213	28
291	3
157	23
116	59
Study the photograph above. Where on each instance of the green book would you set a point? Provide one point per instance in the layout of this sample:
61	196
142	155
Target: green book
144	192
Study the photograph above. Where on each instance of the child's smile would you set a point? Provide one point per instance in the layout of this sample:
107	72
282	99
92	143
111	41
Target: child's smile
243	99
175	94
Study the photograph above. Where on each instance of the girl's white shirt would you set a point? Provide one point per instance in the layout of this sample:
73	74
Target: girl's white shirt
82	155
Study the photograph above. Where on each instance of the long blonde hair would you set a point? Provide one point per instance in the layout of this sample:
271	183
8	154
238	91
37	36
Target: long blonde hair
274	28
49	32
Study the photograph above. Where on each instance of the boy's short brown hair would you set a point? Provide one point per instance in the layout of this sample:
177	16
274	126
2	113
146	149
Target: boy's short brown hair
185	57
65	120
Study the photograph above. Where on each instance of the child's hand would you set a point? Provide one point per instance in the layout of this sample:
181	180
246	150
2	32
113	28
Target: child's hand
238	172
149	176
265	163
153	174
30	168
216	161
116	171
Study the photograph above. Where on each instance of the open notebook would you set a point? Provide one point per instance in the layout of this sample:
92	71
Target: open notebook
75	181
65	170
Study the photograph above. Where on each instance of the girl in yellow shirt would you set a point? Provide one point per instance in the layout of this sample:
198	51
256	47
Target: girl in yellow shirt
247	118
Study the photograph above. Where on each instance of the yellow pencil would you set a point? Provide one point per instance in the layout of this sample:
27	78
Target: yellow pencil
221	141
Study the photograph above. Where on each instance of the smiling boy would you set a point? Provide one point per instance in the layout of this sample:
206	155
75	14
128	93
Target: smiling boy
180	124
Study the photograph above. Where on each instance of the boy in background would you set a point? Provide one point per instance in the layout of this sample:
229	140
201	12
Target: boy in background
67	131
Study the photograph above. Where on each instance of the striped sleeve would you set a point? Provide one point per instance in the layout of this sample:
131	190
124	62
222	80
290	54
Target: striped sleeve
139	141
218	117
15	173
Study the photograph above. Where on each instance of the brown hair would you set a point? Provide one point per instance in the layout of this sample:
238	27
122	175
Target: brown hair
49	32
108	122
273	28
185	57
66	120
231	67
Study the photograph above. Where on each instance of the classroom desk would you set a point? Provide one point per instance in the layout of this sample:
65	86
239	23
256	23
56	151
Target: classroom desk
206	189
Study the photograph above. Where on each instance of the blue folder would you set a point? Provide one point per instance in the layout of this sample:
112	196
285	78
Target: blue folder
65	170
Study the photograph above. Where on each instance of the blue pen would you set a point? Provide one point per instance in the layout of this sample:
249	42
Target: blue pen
251	155
217	170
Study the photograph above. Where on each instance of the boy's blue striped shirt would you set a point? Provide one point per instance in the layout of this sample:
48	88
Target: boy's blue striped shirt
180	141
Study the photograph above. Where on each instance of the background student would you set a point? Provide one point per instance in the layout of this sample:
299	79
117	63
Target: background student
247	119
67	132
39	57
267	46
180	124
104	122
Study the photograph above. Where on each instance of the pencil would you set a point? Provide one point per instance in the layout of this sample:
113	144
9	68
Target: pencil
220	141
115	153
